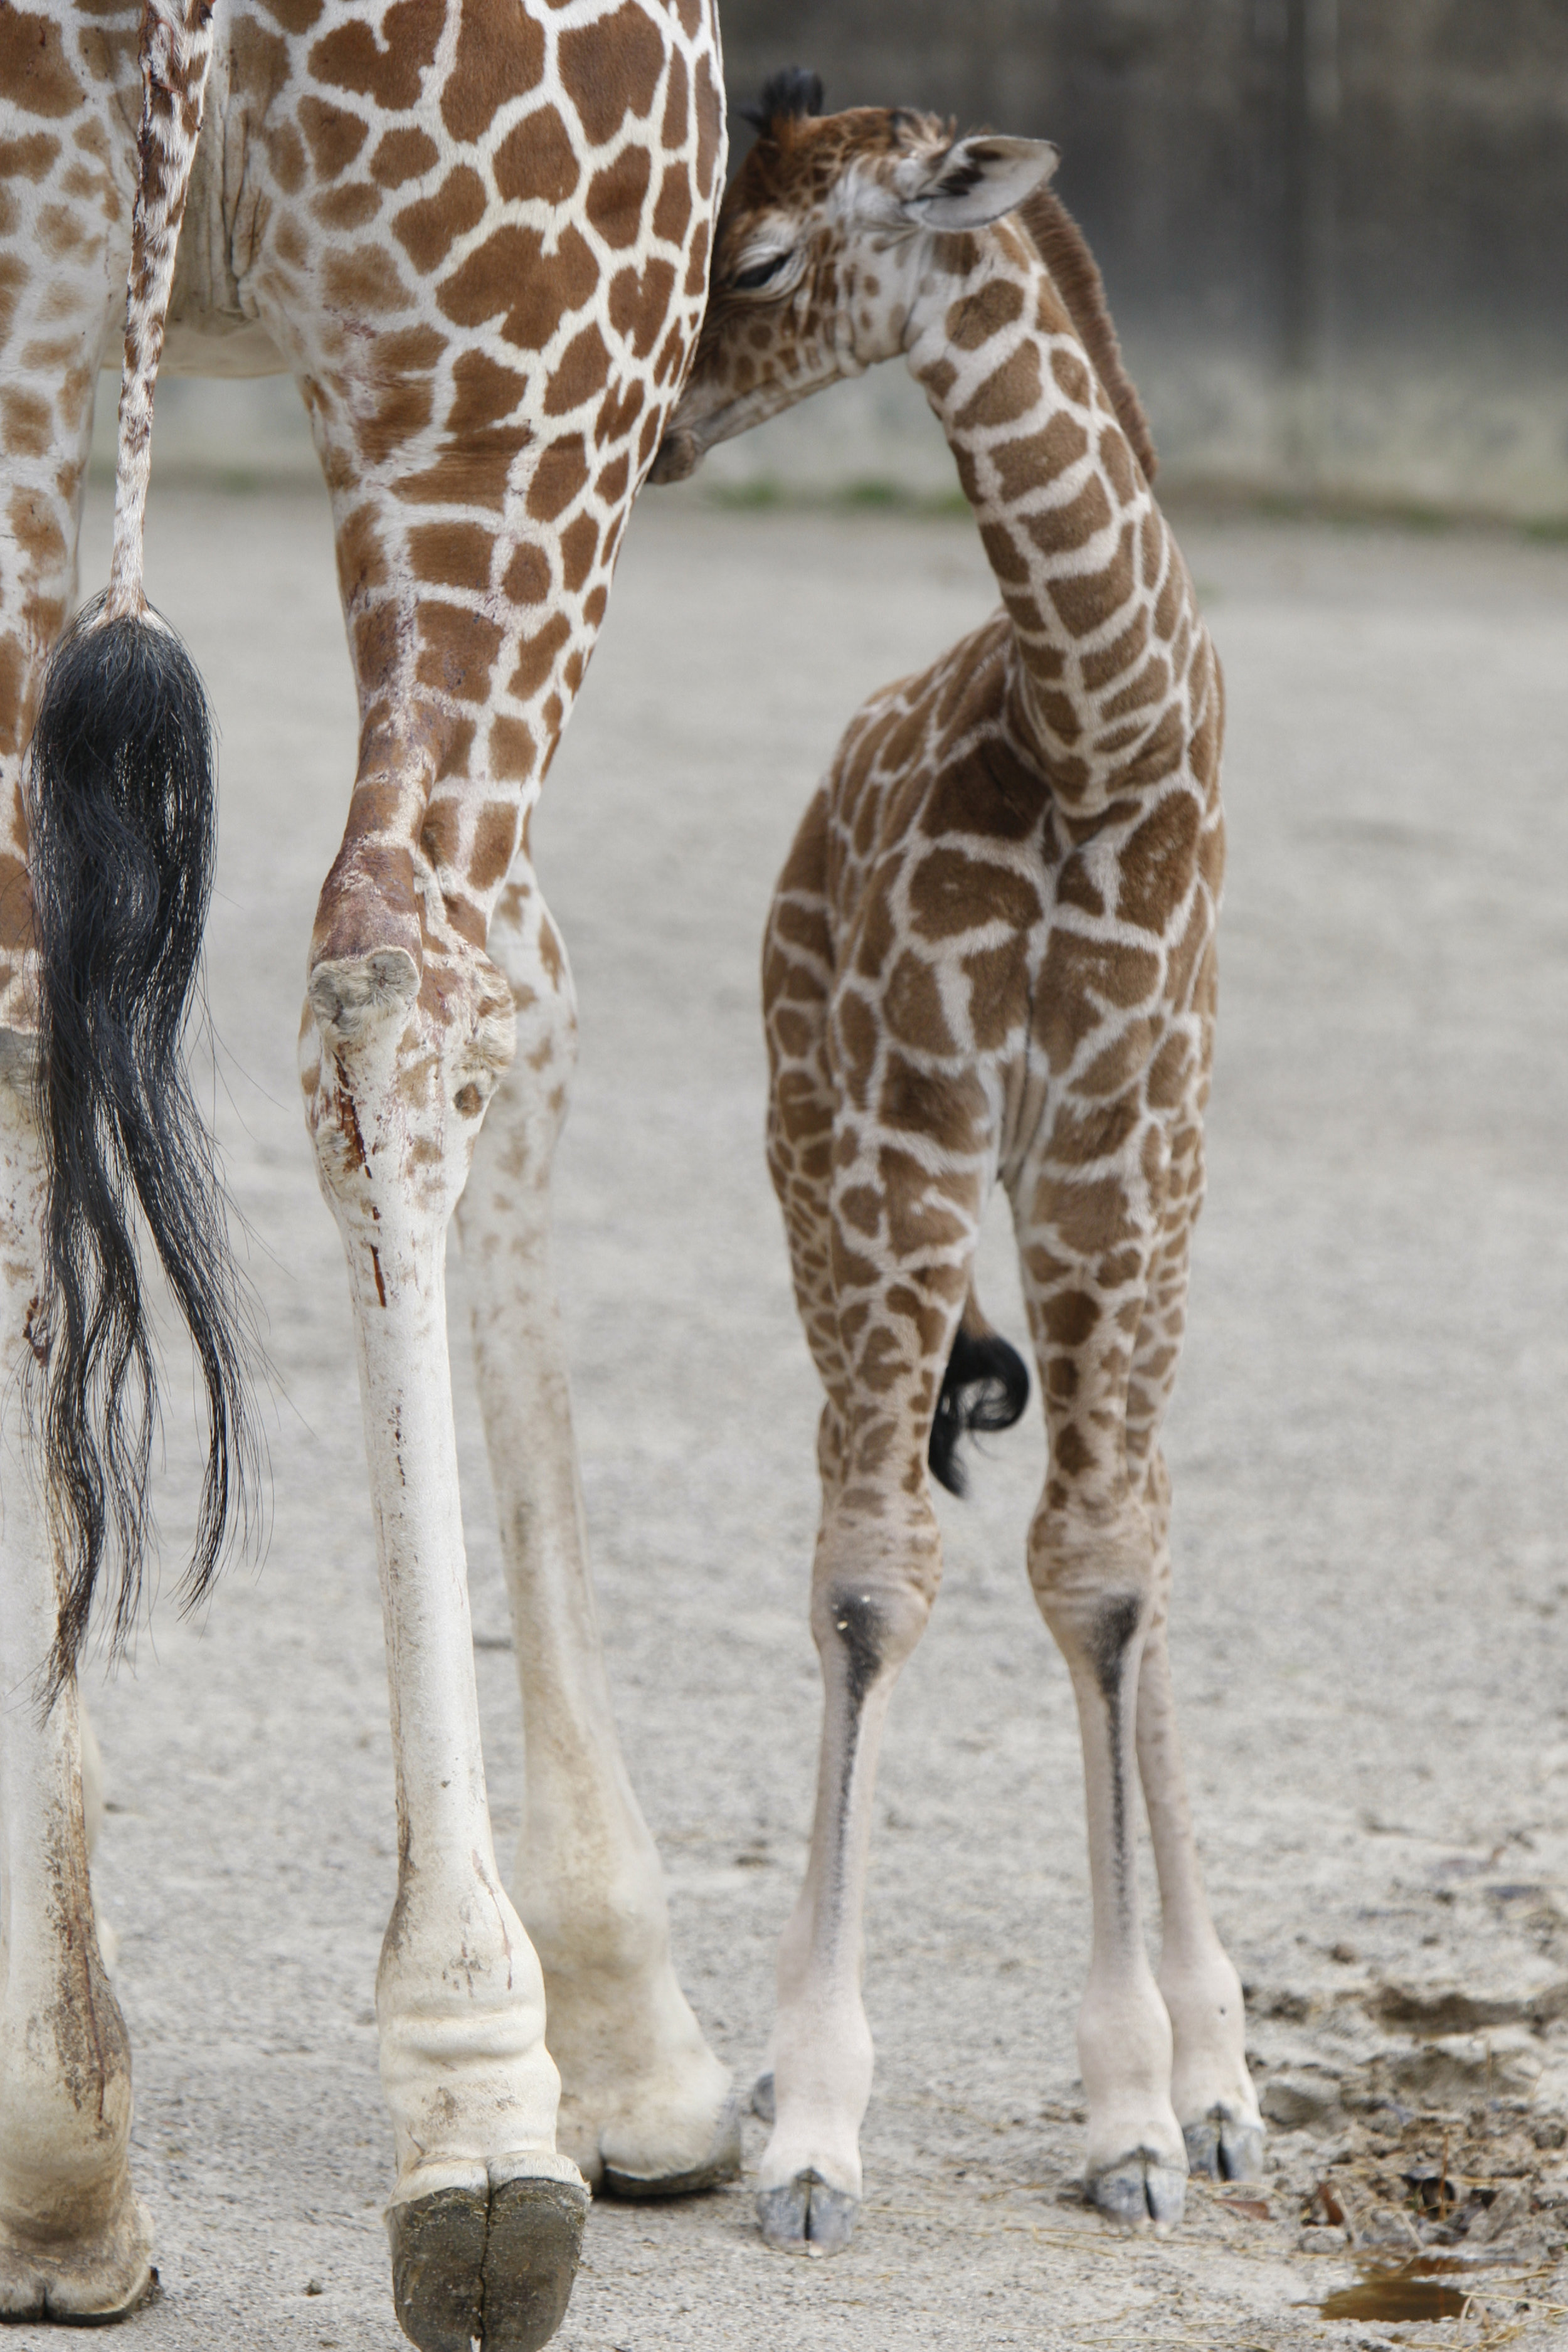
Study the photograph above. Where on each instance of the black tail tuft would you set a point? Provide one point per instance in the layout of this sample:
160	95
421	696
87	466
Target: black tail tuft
123	809
791	92
985	1386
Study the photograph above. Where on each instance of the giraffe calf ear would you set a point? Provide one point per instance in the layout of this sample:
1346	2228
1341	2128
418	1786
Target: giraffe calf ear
975	181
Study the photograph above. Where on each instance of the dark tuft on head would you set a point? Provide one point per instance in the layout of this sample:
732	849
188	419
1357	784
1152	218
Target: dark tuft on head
985	1386
789	94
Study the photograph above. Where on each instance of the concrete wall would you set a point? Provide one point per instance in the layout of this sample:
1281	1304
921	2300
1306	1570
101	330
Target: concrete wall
1335	233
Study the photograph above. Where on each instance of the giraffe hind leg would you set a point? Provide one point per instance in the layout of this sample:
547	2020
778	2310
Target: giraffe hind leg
645	2107
881	1309
1211	2087
1093	1567
75	2241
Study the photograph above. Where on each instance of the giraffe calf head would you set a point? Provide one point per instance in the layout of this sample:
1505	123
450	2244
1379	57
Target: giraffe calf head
824	236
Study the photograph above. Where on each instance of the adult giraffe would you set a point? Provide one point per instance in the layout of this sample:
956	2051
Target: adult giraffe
477	233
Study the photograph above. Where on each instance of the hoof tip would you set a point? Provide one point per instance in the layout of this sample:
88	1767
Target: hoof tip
490	2267
806	2216
1224	2145
1141	2191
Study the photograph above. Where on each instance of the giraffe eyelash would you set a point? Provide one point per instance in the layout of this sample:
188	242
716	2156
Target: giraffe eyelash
760	273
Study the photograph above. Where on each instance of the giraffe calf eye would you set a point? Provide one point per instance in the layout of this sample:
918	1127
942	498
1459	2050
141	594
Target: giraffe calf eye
747	280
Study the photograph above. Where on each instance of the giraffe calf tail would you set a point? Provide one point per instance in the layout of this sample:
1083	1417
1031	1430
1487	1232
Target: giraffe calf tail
985	1386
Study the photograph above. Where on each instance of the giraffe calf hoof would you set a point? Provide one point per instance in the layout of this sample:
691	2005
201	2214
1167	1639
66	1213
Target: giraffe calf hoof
721	2163
488	2265
805	2216
1225	2146
1140	2191
764	2106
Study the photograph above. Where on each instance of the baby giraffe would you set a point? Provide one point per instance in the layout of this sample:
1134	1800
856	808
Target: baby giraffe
991	953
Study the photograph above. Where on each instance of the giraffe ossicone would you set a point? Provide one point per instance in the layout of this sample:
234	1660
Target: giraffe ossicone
990	957
477	232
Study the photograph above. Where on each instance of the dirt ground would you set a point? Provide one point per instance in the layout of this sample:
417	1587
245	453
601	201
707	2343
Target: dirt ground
1367	1446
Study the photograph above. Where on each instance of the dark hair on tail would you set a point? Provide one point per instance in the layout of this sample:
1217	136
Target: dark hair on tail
1064	248
122	810
985	1386
792	91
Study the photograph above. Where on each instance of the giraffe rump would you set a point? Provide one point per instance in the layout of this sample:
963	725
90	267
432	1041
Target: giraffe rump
121	808
985	1386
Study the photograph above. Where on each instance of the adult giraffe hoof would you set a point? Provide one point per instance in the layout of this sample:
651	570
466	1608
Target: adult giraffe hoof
764	2106
721	2163
805	2216
1140	2191
488	2265
1225	2146
88	2286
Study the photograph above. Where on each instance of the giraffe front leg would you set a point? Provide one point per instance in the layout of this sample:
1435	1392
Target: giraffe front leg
75	2244
485	2218
645	2107
1210	2085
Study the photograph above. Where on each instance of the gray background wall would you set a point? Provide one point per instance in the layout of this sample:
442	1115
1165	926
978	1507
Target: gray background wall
1335	233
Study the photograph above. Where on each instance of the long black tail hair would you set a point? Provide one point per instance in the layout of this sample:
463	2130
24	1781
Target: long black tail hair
121	808
985	1386
121	801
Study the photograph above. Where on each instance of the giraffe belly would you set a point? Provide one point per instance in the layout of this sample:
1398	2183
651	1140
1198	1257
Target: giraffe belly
212	329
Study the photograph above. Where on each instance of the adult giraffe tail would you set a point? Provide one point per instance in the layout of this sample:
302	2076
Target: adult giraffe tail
985	1386
121	811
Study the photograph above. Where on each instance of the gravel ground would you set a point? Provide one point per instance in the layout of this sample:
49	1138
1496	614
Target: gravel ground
1366	1444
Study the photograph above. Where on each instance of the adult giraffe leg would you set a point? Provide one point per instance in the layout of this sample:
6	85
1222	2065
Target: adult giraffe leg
408	1029
645	2107
1092	1565
74	2240
483	2211
75	2243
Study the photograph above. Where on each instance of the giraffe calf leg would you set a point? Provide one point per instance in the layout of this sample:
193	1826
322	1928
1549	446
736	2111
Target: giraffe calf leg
75	2244
1211	2087
1092	1573
870	1602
